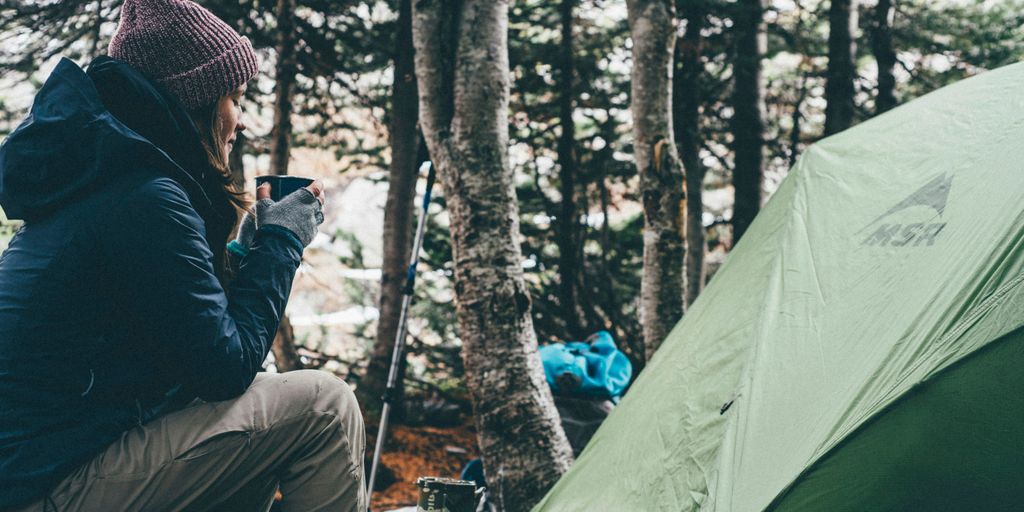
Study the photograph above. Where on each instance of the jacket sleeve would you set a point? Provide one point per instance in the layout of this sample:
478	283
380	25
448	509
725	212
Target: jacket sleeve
164	265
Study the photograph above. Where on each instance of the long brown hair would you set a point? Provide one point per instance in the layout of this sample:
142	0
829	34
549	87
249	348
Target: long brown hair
206	119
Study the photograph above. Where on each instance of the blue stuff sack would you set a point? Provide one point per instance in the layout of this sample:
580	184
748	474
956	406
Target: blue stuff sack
595	368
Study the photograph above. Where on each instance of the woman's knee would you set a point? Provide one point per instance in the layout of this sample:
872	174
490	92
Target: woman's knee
335	398
328	393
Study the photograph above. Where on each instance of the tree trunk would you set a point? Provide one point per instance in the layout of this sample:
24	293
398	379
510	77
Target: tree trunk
748	120
462	67
842	22
796	118
281	133
662	184
398	211
687	92
885	56
568	222
235	163
286	358
611	303
96	31
280	148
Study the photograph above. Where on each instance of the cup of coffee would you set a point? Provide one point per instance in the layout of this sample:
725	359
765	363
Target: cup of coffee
281	186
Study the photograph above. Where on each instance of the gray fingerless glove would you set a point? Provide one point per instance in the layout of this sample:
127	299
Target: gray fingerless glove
299	212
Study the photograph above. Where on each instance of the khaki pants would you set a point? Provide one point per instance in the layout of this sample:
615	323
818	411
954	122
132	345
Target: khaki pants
300	431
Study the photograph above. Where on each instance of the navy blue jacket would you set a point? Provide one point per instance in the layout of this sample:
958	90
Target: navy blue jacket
111	310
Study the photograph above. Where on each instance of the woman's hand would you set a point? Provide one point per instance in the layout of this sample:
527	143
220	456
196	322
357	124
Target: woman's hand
299	212
243	240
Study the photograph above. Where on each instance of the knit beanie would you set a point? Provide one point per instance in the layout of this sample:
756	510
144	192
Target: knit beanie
184	48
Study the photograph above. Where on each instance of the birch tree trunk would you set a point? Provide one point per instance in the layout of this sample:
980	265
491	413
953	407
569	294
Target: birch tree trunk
686	117
287	358
568	223
885	56
748	119
661	173
842	22
462	67
398	211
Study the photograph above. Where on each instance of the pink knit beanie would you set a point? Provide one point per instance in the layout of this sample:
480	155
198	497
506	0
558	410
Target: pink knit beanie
184	48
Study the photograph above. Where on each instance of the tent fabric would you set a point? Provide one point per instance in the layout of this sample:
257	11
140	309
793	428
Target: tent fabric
953	444
865	303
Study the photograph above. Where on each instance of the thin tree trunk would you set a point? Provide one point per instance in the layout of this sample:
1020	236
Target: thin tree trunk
568	223
686	89
462	67
632	346
611	304
662	184
885	56
280	148
606	283
235	163
842	22
97	25
286	358
592	315
748	120
281	133
797	117
398	211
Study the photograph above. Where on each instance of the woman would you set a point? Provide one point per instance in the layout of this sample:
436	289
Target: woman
130	339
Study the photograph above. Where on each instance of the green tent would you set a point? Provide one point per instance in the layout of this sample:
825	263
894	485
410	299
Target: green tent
862	348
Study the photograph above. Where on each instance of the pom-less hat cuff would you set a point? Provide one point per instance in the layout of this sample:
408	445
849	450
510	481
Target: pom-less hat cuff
216	78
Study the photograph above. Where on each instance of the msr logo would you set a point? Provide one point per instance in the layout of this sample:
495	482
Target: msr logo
922	232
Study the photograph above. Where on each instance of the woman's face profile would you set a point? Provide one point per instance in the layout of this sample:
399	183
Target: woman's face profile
229	118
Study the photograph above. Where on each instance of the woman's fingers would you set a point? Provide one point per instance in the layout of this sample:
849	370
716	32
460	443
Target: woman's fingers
263	191
317	188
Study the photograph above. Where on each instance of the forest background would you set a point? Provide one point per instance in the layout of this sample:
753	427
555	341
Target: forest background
754	82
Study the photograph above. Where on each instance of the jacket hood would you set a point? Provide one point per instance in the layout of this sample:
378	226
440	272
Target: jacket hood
87	128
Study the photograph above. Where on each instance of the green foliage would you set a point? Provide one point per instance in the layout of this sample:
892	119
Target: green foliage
33	32
355	257
600	87
344	55
941	44
343	58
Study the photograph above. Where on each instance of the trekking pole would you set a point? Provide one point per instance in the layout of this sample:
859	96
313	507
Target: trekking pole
403	317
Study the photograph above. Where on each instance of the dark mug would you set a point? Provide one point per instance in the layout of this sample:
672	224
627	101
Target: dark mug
281	186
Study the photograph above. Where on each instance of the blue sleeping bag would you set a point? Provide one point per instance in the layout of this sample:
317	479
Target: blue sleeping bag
594	368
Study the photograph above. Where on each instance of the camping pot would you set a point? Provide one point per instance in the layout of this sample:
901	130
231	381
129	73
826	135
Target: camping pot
281	186
446	495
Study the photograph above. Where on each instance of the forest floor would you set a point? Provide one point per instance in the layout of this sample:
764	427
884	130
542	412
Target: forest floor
412	452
